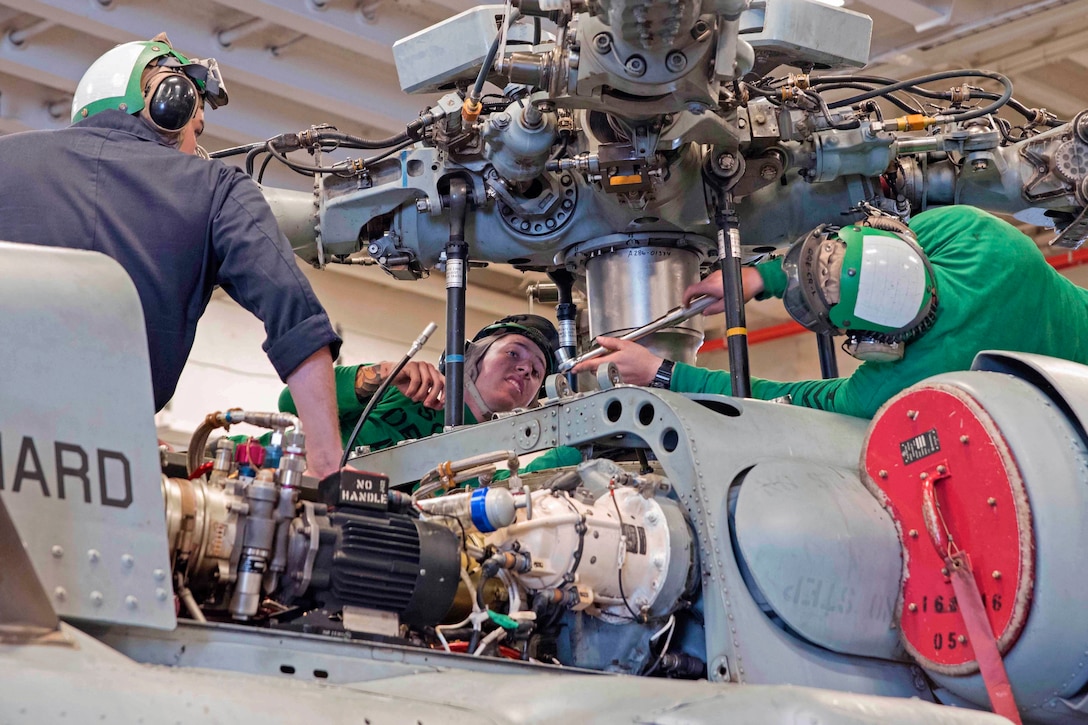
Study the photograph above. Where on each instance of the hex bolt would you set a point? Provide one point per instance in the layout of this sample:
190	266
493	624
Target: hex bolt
913	533
942	469
912	607
996	574
912	414
97	598
635	65
131	602
676	61
768	172
882	473
962	639
923	475
93	556
727	162
602	42
127	561
992	501
57	551
980	165
964	439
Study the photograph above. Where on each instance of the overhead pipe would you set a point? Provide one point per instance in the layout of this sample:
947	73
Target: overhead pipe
234	33
18	37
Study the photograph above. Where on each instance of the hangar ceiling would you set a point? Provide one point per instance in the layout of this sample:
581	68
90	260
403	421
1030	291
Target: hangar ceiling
292	63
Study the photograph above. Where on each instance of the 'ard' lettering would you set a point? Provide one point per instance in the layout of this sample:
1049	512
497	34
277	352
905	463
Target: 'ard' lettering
80	472
28	454
103	481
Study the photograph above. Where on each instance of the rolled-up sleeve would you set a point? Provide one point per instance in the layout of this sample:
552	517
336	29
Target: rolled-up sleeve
257	268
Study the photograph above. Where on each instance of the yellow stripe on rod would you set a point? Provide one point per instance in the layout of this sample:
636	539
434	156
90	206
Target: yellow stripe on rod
734	331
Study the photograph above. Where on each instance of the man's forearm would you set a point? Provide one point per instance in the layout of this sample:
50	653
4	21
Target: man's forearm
314	392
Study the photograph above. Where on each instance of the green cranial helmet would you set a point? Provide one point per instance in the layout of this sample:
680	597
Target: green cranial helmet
869	281
114	80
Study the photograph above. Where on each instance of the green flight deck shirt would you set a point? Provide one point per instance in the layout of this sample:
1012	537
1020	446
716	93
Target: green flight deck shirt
397	418
995	291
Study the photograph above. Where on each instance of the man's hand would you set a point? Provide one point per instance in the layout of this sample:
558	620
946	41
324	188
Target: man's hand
751	282
420	382
636	364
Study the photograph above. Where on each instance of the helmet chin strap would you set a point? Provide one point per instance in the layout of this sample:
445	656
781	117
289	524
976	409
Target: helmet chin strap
473	393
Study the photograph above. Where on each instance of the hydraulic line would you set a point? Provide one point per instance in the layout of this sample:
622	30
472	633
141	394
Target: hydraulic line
825	347
736	330
911	83
566	312
380	392
456	280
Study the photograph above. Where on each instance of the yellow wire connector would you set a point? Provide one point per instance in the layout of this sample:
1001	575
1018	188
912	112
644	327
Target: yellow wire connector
913	122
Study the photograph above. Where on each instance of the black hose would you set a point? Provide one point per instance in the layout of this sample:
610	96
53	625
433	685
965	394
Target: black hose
897	102
235	150
370	406
931	78
264	165
489	59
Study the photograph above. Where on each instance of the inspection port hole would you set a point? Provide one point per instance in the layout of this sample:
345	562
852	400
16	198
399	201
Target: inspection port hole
287	669
613	410
646	413
415	167
670	439
528	431
321	674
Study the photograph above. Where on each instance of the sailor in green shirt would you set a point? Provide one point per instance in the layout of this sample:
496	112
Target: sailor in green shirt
505	366
979	284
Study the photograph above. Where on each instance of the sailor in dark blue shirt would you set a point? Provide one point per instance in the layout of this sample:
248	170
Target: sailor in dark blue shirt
115	182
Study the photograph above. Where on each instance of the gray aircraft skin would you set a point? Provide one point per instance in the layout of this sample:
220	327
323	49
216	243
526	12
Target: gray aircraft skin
754	568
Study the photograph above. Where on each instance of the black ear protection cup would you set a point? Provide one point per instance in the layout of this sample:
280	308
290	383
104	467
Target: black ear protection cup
170	100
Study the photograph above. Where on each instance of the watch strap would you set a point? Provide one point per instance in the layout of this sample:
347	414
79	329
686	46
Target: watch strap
663	377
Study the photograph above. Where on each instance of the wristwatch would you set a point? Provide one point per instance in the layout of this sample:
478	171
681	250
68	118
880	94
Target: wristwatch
664	375
367	381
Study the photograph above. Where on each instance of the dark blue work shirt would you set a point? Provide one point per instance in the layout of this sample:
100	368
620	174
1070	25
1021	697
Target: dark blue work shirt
178	224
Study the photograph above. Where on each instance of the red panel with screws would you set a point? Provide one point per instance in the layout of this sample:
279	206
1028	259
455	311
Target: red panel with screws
940	466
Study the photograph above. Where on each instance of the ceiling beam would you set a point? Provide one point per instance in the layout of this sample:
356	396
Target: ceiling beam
922	15
341	25
1052	51
960	46
1036	94
251	115
332	81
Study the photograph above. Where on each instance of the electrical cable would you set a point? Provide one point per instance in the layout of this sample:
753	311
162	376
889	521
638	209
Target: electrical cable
493	636
619	572
236	150
264	165
671	627
912	84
